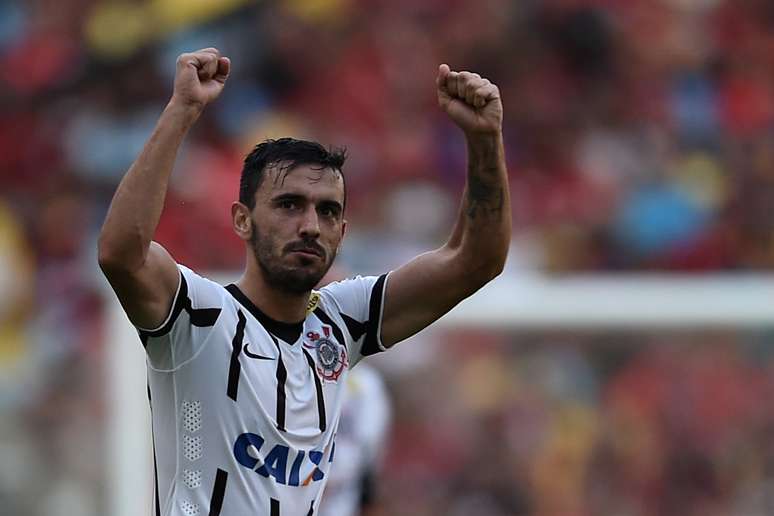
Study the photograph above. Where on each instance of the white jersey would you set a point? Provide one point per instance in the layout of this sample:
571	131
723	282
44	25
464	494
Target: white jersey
360	443
245	408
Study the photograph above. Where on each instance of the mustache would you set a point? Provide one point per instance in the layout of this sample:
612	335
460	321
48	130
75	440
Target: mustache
309	247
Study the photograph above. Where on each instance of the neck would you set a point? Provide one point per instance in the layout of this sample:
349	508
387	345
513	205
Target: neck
280	305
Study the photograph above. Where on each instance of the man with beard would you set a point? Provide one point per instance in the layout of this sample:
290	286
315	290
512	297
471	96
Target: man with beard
246	380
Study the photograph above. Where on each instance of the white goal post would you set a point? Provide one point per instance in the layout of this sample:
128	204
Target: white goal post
509	303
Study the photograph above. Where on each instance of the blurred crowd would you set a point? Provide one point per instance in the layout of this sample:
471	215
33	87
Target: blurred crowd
583	424
639	133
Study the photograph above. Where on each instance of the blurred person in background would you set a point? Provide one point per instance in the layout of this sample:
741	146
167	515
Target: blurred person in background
360	445
268	342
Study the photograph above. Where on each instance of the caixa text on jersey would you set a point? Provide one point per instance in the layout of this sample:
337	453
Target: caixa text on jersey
303	470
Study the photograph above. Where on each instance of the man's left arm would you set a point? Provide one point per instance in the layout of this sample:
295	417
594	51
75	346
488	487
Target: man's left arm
431	284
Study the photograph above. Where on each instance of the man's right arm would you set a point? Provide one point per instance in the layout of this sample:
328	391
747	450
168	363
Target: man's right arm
141	272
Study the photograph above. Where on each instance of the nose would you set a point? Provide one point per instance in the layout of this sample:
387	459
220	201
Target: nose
310	224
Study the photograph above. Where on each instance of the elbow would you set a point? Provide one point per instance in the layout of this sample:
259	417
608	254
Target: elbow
492	269
474	268
108	257
481	271
475	277
489	262
495	261
498	267
113	257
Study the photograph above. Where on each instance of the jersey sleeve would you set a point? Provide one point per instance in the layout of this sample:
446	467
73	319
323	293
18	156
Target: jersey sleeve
360	304
194	311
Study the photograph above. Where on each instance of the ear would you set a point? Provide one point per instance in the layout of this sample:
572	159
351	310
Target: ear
343	231
241	221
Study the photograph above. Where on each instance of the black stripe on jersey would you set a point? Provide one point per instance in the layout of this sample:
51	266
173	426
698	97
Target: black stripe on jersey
355	328
156	480
318	387
289	332
275	507
202	317
327	320
371	343
155	465
282	376
235	368
177	307
218	492
311	509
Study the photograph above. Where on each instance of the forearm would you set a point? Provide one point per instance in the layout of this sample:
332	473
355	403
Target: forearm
139	199
431	284
482	234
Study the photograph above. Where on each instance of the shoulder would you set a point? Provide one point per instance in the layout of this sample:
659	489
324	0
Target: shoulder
357	304
200	288
201	298
356	291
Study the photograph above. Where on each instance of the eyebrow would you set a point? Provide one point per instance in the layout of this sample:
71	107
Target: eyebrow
287	197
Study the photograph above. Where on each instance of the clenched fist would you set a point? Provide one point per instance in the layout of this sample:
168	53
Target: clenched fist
472	102
200	77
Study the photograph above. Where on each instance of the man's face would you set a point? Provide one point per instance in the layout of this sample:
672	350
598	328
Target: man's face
298	224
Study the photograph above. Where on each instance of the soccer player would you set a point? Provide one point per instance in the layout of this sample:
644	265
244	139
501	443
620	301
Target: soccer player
246	380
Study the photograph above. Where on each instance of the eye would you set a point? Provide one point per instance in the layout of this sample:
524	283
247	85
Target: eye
329	211
288	204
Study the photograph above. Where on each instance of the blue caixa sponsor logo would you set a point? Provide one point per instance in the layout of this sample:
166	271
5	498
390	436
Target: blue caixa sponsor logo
298	470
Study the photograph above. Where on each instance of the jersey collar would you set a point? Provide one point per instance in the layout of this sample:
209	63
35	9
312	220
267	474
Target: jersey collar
289	332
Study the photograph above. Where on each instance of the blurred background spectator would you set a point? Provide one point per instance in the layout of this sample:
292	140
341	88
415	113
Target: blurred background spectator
640	137
639	133
590	423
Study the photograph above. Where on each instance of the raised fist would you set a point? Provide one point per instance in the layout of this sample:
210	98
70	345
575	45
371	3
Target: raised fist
200	77
472	102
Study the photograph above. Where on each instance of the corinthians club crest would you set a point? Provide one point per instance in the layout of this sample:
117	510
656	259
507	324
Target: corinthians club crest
331	356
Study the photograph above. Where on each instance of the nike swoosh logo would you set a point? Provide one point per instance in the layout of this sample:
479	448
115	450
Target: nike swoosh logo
253	355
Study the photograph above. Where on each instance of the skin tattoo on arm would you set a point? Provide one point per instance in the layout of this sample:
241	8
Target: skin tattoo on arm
485	190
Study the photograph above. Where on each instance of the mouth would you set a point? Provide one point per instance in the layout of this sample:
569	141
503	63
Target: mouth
308	252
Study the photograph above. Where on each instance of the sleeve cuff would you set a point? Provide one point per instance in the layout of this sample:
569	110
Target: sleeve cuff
178	304
373	339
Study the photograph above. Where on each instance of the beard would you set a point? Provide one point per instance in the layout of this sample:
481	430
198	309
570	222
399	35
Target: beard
282	276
